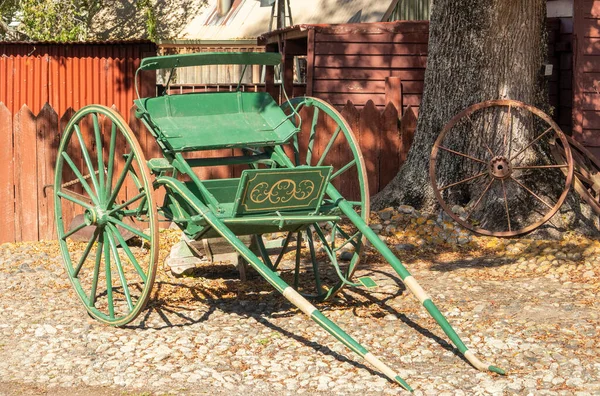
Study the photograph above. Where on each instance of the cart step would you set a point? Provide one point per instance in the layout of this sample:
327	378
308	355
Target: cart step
367	282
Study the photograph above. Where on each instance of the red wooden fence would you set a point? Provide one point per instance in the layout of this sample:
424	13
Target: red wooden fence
29	143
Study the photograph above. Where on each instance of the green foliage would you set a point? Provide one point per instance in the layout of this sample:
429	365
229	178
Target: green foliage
7	11
150	18
54	20
63	20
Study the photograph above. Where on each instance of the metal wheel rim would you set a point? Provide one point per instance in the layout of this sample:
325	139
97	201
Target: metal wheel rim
559	156
471	109
68	263
299	102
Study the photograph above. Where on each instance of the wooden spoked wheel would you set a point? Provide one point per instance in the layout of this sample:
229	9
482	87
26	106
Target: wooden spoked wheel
324	256
102	174
586	171
491	166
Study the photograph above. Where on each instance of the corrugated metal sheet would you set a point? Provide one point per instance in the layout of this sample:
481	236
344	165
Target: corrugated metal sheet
411	10
72	75
247	19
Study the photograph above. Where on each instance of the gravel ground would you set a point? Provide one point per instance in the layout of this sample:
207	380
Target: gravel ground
530	307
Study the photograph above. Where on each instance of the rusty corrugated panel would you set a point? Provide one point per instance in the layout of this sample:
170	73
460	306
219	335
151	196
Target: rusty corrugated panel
73	74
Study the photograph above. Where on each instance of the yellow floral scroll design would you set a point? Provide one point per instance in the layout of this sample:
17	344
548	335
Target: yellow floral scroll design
282	192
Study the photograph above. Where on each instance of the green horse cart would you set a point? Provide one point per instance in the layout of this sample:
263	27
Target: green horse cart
289	167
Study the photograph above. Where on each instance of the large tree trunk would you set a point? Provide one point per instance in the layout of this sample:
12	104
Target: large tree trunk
478	50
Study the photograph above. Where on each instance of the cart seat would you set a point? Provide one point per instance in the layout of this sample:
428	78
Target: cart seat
206	121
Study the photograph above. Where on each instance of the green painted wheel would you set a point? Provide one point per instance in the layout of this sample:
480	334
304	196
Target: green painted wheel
101	174
323	257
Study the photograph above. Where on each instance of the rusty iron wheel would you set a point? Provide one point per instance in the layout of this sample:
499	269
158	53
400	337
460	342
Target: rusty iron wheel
586	171
503	167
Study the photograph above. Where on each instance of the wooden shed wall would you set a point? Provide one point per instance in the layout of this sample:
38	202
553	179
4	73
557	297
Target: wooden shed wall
351	62
586	87
560	55
72	75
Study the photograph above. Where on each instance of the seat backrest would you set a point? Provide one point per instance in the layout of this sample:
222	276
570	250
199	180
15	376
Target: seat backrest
211	103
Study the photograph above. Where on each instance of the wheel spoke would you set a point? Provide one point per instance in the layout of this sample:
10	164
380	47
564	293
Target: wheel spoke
355	203
111	158
127	203
462	155
531	192
509	127
109	290
92	299
584	178
263	252
343	169
85	254
120	180
530	144
311	139
119	265
480	198
73	199
296	148
129	228
99	148
297	266
81	178
329	145
313	258
463	181
87	159
128	252
349	239
506	205
288	238
481	136
541	166
73	231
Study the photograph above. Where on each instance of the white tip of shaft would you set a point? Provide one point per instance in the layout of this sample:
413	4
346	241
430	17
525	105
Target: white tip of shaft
478	364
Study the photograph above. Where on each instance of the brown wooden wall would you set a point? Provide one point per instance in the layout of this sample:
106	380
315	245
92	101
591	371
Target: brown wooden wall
72	75
356	61
560	55
352	62
586	78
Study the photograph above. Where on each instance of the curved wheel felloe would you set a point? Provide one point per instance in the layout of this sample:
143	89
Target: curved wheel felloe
491	165
101	173
323	257
586	170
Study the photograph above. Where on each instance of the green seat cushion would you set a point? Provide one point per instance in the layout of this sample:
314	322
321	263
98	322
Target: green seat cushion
205	121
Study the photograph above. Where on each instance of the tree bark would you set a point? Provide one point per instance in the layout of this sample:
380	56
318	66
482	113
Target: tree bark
478	50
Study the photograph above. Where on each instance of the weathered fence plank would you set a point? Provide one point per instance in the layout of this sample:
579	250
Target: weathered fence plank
408	126
352	117
7	198
370	143
47	146
389	158
25	176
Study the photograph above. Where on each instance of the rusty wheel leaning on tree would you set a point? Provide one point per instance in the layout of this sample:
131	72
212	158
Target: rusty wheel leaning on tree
488	165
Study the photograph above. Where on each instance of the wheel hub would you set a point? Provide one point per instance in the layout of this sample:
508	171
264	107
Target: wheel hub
500	167
95	216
